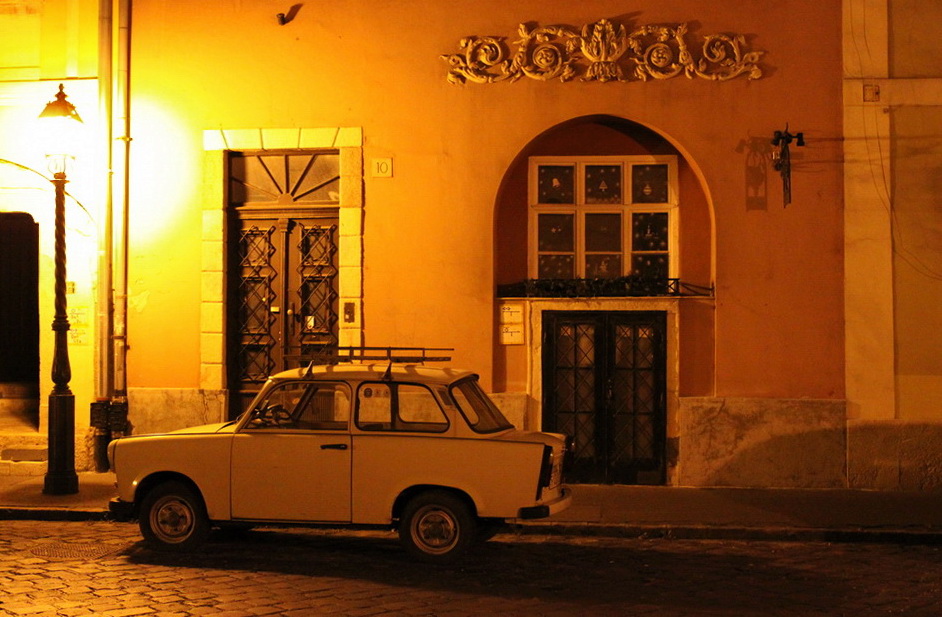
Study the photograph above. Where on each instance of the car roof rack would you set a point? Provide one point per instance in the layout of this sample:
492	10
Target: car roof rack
392	355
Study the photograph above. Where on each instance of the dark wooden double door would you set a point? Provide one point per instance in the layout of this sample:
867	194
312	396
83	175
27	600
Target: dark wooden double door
604	385
282	295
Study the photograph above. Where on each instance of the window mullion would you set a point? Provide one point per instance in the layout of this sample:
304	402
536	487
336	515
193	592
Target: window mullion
580	242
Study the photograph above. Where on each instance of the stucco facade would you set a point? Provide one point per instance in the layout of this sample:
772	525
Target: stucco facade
803	357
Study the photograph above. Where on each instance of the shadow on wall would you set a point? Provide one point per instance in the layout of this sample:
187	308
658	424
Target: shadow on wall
895	456
757	151
803	443
753	442
813	459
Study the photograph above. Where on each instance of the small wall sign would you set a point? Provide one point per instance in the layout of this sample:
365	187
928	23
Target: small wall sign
512	327
381	168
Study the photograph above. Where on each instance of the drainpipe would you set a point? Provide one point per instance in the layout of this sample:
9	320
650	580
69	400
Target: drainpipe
119	402
104	383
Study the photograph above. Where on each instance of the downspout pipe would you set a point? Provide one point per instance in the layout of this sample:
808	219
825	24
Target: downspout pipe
104	385
104	349
119	402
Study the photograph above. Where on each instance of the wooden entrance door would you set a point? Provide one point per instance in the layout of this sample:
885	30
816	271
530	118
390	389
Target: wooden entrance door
283	300
281	265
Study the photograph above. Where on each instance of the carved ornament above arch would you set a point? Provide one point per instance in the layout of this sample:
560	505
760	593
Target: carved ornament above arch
602	51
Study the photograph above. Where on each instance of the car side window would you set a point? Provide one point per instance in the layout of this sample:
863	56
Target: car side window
304	406
399	407
374	407
326	407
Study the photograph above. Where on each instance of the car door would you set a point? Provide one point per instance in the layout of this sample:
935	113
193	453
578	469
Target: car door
291	458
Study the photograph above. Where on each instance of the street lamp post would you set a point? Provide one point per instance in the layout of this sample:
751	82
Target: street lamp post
61	478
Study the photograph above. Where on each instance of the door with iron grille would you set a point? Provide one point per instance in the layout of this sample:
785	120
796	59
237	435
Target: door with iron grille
604	384
282	265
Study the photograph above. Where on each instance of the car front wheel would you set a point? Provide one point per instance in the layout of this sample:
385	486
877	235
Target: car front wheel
173	518
436	527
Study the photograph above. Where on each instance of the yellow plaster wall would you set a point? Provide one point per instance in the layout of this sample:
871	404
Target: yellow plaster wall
48	39
428	230
914	41
22	190
43	43
917	165
915	115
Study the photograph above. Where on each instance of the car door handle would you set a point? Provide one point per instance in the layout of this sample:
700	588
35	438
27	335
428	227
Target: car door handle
334	446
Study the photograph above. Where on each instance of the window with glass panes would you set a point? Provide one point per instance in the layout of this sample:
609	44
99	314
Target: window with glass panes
602	217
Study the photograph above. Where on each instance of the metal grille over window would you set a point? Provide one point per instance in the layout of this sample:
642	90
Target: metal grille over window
256	292
317	292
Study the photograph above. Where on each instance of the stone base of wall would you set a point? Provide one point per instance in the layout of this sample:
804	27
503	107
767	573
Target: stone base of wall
802	443
158	410
747	442
737	442
894	455
26	453
514	407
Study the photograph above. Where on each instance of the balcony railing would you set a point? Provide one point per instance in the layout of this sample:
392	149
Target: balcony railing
626	286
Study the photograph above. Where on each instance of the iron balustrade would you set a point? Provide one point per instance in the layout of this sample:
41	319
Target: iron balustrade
626	286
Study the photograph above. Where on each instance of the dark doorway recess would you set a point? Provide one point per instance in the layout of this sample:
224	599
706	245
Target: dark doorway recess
19	321
604	384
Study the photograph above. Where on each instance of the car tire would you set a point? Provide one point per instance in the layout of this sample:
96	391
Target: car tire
437	527
173	518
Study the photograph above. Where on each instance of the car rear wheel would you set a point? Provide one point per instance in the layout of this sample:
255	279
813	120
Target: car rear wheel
437	527
173	518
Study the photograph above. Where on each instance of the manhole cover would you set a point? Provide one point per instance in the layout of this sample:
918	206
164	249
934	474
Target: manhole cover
72	551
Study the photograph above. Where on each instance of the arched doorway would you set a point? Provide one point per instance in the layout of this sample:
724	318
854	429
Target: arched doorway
19	322
603	238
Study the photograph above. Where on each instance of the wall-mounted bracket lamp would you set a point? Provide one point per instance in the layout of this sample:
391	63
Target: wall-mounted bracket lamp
782	159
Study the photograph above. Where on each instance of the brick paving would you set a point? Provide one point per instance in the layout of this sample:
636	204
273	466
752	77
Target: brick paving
101	568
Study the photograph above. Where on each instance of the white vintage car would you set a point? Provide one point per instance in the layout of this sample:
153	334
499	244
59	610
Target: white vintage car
420	449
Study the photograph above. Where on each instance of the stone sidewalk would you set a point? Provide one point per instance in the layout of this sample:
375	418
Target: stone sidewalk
801	514
21	497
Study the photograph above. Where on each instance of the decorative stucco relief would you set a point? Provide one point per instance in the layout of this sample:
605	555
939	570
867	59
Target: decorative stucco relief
602	51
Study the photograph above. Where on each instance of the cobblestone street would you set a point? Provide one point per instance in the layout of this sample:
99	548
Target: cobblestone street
101	568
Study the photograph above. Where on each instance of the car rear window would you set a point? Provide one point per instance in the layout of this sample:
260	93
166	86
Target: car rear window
383	406
479	410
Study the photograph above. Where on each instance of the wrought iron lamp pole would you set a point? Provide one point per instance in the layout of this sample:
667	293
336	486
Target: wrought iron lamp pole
61	478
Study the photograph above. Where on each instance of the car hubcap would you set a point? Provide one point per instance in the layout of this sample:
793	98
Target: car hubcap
435	529
173	520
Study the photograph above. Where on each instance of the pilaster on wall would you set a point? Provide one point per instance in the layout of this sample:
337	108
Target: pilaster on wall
868	231
349	142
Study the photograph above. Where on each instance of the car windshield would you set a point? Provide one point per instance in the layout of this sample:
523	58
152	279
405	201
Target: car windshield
477	408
